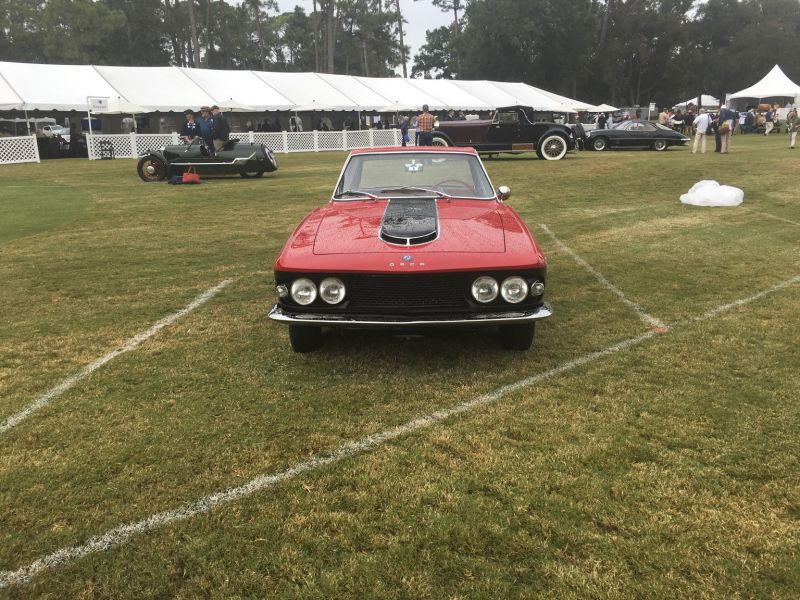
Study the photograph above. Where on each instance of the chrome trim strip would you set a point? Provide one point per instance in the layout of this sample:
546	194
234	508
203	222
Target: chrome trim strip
523	316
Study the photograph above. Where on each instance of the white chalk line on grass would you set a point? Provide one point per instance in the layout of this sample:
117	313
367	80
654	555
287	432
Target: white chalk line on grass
643	315
120	535
129	345
761	212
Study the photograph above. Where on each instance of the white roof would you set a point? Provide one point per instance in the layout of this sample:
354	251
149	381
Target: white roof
775	83
156	88
364	97
401	93
55	87
487	93
245	87
529	96
570	103
604	108
9	100
448	92
307	91
705	100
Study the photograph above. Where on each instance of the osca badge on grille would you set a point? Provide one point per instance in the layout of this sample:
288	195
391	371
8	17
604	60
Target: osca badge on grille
407	261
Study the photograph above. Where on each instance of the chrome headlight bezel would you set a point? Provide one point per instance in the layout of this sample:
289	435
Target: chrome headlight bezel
327	285
514	285
482	284
303	286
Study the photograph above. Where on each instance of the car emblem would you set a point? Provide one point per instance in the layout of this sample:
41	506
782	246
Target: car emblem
408	257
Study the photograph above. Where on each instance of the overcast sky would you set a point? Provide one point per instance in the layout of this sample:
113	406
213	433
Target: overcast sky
420	16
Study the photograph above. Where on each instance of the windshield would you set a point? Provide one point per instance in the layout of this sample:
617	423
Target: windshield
414	174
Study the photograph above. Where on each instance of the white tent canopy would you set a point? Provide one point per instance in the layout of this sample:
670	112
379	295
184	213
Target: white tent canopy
247	88
705	100
603	108
156	88
49	87
774	84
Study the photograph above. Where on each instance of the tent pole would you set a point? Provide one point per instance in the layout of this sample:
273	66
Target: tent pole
27	123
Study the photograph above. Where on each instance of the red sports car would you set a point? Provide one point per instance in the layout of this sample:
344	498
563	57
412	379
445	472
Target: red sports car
412	238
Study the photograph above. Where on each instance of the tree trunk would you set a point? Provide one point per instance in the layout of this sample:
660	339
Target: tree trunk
193	30
604	27
177	54
400	29
330	36
316	37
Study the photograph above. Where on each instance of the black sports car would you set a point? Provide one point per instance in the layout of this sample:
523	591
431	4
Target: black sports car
248	160
635	134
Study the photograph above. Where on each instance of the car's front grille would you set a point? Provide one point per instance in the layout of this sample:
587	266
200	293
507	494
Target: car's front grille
414	292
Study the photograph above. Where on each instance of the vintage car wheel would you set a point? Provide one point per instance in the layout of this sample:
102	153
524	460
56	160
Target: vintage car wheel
599	143
553	147
517	337
305	338
252	174
440	141
660	145
151	168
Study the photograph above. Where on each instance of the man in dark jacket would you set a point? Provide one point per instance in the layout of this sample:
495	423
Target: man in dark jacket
190	130
221	131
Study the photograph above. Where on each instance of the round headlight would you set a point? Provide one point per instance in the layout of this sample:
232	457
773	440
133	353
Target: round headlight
484	289
332	290
514	289
303	291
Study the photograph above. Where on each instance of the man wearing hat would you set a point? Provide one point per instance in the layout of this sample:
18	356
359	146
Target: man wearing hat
205	125
221	131
425	127
701	125
189	131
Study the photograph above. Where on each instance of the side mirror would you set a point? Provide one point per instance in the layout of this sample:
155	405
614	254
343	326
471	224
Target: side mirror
503	193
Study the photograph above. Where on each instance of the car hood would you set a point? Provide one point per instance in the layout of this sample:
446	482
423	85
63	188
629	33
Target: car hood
464	226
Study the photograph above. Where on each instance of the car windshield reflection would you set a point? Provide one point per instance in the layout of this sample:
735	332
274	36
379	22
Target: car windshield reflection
414	174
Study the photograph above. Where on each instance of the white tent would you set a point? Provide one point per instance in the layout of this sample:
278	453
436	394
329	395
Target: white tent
775	84
604	108
248	89
529	96
9	100
307	91
705	101
491	95
156	88
399	92
570	103
365	98
452	95
55	87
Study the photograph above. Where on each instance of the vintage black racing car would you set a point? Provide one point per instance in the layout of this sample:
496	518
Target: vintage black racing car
248	160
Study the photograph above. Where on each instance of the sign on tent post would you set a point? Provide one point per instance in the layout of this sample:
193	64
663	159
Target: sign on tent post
95	103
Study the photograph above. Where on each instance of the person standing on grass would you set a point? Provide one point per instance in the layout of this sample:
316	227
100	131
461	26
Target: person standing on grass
404	130
768	124
792	126
425	127
205	124
220	129
701	126
725	127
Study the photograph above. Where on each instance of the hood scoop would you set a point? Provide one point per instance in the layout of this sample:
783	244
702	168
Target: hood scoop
409	222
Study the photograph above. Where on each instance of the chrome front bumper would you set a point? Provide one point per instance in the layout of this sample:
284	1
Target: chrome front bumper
523	316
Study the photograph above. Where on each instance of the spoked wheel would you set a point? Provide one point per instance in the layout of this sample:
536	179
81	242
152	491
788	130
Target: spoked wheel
660	145
518	336
305	338
151	168
252	174
440	141
600	144
553	147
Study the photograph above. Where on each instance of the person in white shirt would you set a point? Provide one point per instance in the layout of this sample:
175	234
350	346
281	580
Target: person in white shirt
700	124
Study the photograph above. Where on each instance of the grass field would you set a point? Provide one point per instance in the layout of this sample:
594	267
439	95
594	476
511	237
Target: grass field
610	461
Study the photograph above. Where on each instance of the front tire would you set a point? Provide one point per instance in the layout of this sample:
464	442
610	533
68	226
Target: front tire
151	168
440	141
553	147
518	336
660	145
253	174
600	144
305	338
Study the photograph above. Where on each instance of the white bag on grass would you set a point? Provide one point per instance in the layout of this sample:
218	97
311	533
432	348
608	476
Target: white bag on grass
710	193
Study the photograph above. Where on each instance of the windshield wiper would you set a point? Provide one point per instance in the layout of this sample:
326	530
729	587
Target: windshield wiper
356	193
411	188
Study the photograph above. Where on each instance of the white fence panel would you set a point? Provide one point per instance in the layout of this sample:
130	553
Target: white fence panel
21	149
301	141
357	139
330	140
273	141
